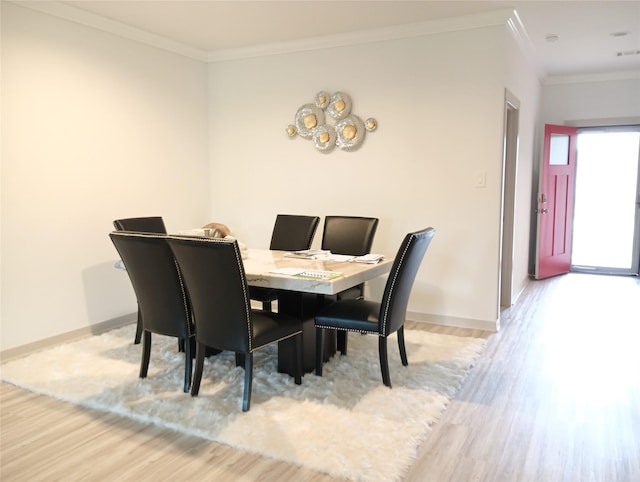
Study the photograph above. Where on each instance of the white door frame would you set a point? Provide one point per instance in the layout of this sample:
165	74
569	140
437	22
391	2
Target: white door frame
509	174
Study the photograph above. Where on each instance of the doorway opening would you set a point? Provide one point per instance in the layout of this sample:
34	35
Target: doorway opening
509	170
606	225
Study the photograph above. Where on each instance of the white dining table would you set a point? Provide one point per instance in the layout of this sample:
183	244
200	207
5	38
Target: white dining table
263	268
302	297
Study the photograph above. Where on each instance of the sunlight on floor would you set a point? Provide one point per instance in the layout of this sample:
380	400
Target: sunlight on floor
591	339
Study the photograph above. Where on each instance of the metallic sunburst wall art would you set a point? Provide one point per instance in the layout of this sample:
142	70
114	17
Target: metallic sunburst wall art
347	130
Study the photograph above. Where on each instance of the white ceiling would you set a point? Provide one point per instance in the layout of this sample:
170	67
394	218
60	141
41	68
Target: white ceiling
585	42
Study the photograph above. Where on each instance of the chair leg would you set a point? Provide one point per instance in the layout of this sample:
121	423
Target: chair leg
384	362
138	336
298	347
319	350
197	374
266	306
239	359
403	349
146	353
188	364
342	341
248	380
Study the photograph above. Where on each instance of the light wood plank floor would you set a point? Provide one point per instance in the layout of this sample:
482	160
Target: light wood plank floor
554	397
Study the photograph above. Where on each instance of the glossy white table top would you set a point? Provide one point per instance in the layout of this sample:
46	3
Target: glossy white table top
258	264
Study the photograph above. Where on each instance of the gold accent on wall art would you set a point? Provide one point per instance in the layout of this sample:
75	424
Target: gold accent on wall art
370	124
347	132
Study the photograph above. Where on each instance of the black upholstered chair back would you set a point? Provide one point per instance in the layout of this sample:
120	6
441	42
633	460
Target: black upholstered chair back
352	235
393	309
293	232
157	282
290	233
151	224
214	274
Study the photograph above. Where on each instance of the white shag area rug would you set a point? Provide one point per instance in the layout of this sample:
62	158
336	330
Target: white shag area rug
346	423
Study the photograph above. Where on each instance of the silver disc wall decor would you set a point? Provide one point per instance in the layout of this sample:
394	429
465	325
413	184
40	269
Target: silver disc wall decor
322	99
339	106
339	127
308	118
350	132
324	138
371	124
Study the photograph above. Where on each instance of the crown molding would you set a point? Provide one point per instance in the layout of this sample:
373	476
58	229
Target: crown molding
89	19
467	22
519	33
451	24
506	17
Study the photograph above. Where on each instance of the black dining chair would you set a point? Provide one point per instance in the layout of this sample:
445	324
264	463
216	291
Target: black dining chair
379	318
214	274
162	297
150	224
290	233
350	235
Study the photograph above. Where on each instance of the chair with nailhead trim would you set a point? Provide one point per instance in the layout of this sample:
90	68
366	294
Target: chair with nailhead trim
379	318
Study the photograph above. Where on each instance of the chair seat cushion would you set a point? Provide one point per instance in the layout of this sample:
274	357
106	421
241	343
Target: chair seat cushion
269	327
355	315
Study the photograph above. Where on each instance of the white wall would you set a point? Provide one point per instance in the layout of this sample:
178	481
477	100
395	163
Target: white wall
97	127
439	104
598	98
94	128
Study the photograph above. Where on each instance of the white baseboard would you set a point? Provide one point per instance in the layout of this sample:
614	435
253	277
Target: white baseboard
523	286
493	326
95	329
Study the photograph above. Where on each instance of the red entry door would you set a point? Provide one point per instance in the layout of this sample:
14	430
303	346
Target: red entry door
555	201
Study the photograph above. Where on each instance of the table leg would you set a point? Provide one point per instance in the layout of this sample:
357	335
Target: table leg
303	306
